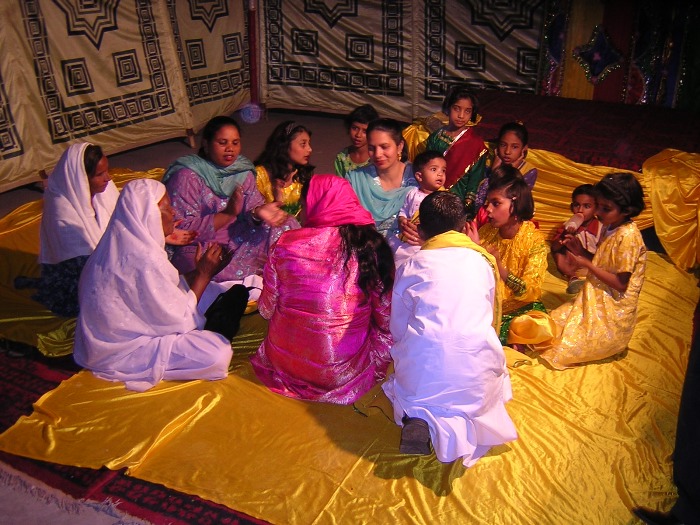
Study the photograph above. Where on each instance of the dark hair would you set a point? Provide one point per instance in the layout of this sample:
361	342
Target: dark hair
623	189
423	158
441	211
275	156
363	114
375	260
515	188
504	171
390	126
212	128
584	189
458	92
516	127
91	158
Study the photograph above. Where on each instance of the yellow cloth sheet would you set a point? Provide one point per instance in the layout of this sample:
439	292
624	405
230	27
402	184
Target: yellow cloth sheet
593	441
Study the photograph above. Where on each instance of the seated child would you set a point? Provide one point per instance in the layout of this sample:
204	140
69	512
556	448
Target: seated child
519	247
600	320
584	229
429	170
450	382
356	155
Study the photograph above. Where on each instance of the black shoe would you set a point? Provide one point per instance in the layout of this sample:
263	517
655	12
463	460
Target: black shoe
655	517
415	436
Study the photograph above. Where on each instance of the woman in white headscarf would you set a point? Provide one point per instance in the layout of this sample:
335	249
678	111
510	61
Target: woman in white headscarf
78	202
139	321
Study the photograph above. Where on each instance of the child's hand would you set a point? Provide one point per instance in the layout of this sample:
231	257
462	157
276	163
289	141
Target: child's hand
472	231
573	244
577	260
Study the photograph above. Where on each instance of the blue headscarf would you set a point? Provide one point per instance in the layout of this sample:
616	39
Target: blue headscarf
222	181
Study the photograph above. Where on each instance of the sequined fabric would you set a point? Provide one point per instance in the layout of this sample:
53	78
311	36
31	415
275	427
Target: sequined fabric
599	322
325	341
195	203
290	195
343	163
525	256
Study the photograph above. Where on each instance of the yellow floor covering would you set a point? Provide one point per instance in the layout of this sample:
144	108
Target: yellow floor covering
594	441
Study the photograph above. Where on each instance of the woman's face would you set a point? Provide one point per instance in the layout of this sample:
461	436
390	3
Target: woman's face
383	151
98	182
225	147
167	215
300	149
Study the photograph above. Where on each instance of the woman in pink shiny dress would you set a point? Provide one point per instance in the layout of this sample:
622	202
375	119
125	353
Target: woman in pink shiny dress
327	294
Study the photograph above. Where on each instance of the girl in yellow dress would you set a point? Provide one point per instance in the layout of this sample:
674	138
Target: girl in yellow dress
283	166
513	239
600	321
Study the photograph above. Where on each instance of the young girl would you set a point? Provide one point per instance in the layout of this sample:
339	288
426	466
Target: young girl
511	149
429	170
519	247
283	165
356	155
599	322
462	147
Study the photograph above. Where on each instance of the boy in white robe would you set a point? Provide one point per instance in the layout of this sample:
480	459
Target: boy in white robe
450	383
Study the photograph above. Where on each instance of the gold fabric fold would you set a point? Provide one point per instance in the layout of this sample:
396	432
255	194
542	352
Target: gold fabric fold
533	327
674	178
593	440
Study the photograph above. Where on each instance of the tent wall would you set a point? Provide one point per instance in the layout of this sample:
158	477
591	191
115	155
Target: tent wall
117	73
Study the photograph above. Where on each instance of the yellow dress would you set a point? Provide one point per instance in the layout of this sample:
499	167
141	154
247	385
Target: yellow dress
525	256
599	322
290	195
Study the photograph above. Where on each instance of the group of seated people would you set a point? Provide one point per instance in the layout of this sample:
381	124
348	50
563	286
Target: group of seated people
433	265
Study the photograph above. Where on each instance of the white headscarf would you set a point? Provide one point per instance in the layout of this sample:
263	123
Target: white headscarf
72	222
133	304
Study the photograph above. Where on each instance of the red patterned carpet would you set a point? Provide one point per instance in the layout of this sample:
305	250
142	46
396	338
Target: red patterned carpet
25	379
598	133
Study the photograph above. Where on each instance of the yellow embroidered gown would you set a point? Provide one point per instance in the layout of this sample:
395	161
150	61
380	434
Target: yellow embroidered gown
599	322
291	194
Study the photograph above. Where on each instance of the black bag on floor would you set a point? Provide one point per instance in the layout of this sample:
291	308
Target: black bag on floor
224	314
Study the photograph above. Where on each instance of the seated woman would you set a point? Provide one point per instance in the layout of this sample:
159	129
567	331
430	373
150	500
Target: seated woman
139	322
78	202
382	185
327	295
214	193
356	155
283	165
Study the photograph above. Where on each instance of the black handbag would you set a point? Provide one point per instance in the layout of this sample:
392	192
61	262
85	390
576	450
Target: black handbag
224	314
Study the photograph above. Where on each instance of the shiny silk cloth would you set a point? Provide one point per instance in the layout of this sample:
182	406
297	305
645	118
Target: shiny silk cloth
593	442
326	341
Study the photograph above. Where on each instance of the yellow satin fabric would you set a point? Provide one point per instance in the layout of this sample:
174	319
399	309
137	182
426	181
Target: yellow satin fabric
533	327
290	195
674	177
288	461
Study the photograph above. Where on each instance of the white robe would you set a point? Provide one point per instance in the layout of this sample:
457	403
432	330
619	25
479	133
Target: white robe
139	322
450	368
72	222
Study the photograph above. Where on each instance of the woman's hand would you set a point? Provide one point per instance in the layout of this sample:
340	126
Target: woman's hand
471	229
410	232
271	213
233	208
181	237
212	261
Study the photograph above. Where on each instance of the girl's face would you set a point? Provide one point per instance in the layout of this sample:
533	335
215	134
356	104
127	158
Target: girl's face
498	207
98	182
358	135
461	113
383	151
510	148
225	147
300	149
610	214
432	176
585	205
167	215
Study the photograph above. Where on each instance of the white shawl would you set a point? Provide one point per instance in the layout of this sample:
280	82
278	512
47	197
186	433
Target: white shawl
73	223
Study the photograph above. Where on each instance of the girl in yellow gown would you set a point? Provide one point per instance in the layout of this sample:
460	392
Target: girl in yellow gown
600	321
